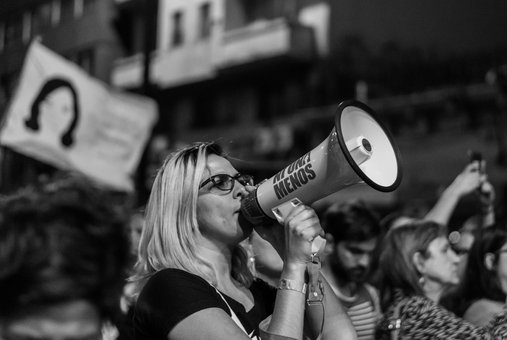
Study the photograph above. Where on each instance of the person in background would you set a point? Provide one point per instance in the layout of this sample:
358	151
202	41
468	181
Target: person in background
417	265
193	276
136	223
125	325
482	291
352	234
63	257
472	179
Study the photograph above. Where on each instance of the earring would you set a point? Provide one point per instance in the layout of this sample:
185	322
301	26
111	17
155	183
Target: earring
422	280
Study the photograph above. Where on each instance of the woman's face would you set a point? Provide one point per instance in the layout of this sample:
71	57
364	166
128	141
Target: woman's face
441	267
218	212
57	110
502	268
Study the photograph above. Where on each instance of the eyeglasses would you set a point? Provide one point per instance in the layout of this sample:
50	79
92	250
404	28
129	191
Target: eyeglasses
225	183
460	251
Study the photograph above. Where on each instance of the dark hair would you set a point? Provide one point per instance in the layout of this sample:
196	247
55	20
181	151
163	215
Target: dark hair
351	220
60	242
478	281
33	121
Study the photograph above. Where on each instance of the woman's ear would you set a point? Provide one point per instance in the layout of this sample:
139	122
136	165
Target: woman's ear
419	262
489	261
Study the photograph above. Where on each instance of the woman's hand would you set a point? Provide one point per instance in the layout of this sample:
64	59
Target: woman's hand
470	179
301	226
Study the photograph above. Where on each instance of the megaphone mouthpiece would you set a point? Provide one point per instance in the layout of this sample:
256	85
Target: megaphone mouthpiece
360	149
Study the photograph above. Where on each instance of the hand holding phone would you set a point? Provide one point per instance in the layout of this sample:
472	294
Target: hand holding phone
476	156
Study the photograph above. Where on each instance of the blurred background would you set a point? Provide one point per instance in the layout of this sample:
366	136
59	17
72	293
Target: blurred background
264	78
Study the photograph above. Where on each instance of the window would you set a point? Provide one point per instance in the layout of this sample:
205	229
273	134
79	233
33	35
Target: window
27	27
205	22
13	30
83	7
78	8
2	35
66	10
177	37
41	18
88	6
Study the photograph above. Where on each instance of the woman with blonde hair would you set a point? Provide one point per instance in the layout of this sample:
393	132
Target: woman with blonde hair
417	265
192	275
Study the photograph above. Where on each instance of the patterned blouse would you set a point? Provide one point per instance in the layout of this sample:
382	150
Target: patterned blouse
422	318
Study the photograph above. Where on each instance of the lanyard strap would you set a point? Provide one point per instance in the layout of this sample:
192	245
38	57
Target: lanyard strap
316	288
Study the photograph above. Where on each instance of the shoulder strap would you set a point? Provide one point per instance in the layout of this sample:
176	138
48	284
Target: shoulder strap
233	315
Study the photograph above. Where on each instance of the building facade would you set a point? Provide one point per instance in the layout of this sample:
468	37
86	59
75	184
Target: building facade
265	77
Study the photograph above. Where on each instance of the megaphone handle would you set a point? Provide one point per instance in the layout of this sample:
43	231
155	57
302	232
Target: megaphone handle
284	209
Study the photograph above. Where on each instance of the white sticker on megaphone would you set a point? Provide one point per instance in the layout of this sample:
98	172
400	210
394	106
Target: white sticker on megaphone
282	210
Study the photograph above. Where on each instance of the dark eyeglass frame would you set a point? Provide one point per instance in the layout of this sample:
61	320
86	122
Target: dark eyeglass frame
228	180
458	251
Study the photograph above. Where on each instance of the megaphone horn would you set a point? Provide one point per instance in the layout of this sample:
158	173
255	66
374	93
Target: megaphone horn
359	149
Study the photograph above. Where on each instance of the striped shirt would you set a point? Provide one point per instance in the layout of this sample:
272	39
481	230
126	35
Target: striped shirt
363	310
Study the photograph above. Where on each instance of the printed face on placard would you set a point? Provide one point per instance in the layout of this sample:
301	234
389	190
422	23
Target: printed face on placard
56	111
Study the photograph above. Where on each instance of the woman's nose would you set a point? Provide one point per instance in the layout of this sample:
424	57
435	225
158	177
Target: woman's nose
241	191
455	257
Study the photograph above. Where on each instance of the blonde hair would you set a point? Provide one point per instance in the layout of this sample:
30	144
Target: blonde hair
171	229
398	248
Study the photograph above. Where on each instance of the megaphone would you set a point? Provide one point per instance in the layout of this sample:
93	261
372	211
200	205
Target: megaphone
359	149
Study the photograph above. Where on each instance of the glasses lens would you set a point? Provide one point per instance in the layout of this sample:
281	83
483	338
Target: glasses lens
460	251
245	180
223	182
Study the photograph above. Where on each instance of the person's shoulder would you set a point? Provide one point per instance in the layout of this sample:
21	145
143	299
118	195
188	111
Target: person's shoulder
174	273
372	290
263	288
176	276
174	281
258	282
414	305
482	311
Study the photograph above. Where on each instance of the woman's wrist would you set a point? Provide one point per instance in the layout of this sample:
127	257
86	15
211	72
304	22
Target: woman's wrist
294	271
453	192
287	284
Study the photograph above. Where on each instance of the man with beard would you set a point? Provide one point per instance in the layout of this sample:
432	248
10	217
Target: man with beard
352	233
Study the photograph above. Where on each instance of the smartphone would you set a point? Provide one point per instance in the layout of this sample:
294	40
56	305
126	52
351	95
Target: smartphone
475	156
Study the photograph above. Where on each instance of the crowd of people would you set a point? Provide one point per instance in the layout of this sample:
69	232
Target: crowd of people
188	265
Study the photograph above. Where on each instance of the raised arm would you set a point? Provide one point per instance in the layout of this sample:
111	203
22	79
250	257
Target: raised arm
487	201
469	180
